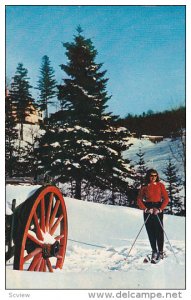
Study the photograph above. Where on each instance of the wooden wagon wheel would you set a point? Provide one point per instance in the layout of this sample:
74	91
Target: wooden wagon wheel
41	234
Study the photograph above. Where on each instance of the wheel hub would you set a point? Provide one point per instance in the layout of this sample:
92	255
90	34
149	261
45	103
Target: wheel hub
49	250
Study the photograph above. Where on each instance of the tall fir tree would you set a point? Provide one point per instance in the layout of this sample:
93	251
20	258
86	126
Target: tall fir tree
141	169
20	96
11	135
175	205
179	154
84	143
46	85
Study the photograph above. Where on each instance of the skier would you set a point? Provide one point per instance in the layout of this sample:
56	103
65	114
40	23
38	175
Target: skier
153	198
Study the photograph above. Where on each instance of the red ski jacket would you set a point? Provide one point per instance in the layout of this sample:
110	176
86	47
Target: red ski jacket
153	192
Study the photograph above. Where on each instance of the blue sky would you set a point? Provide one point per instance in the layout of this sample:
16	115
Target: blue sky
142	48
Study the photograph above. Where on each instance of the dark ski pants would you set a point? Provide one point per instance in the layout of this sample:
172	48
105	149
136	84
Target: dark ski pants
155	231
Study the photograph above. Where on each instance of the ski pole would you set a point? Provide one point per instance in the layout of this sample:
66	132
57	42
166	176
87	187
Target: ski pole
167	238
137	236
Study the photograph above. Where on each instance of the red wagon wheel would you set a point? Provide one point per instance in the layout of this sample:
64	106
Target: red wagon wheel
41	235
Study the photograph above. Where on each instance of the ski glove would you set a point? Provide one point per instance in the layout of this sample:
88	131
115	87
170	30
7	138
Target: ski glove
154	211
149	211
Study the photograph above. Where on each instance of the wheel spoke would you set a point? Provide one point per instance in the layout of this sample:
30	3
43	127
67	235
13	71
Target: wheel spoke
34	262
54	227
54	213
33	238
33	253
59	262
37	268
49	265
42	220
49	211
38	230
59	237
42	265
59	256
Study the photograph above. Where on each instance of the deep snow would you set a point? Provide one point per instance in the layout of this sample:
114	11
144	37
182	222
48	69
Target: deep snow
99	240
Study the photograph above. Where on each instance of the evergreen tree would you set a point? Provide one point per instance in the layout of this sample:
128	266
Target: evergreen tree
11	135
46	85
83	142
179	154
20	95
175	205
141	169
25	160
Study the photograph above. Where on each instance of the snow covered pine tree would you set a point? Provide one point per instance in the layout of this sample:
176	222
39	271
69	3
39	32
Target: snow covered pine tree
141	169
175	206
11	135
84	143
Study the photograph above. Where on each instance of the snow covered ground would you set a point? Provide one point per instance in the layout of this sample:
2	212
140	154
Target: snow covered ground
156	155
100	237
99	240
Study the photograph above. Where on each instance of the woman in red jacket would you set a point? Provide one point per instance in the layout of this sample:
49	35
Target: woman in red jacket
153	198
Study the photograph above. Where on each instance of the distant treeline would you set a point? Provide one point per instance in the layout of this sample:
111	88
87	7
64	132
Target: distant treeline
167	123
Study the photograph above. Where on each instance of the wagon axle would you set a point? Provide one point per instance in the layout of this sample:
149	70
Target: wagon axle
49	250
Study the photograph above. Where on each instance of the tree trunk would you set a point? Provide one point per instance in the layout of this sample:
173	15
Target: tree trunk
78	189
46	110
21	132
112	197
10	164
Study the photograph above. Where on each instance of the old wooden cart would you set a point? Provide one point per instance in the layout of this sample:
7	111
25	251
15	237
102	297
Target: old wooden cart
36	231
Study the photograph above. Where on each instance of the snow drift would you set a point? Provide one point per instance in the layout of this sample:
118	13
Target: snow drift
99	240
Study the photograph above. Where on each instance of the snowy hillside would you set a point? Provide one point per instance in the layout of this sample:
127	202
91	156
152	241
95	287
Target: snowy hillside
156	155
99	240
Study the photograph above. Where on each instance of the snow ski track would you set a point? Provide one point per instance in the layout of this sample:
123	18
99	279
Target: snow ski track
83	258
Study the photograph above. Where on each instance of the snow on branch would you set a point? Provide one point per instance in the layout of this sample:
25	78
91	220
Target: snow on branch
105	117
84	142
112	151
121	129
76	165
92	158
56	144
84	129
57	161
85	92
